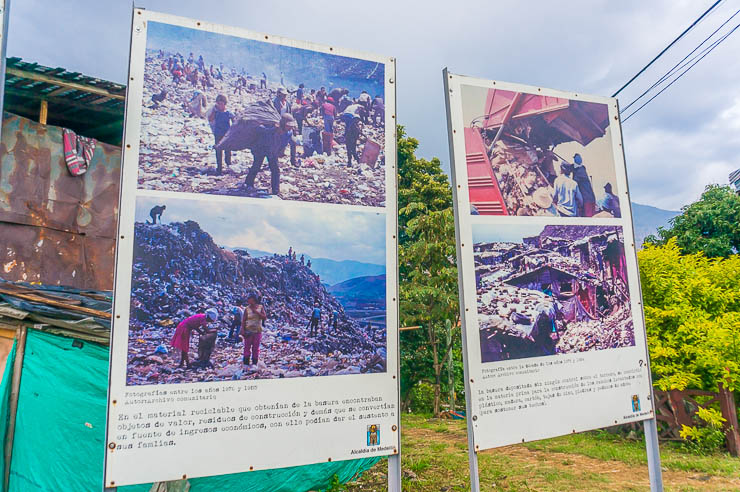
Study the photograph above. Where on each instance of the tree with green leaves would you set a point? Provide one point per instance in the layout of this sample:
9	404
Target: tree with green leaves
428	271
429	294
692	313
422	185
710	225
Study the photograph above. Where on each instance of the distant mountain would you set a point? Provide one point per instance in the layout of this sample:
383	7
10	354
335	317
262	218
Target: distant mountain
331	271
647	219
360	289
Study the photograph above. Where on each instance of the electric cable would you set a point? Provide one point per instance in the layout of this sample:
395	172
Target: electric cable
693	24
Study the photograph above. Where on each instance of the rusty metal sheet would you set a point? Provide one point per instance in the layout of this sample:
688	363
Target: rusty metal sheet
52	257
55	228
36	188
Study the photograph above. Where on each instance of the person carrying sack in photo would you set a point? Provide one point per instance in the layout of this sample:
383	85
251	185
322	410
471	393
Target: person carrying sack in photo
252	322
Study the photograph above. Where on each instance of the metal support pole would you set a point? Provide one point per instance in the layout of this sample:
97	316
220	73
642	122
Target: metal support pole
652	446
472	452
15	385
394	460
653	455
394	472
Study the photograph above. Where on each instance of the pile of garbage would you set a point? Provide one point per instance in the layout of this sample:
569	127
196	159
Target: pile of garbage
511	310
178	271
176	151
616	330
520	178
556	292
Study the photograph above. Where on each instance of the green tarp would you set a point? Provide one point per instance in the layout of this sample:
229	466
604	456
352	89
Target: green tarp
4	409
60	428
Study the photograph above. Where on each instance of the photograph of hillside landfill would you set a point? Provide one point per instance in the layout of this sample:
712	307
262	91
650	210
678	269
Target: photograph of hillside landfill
529	154
555	289
273	291
232	116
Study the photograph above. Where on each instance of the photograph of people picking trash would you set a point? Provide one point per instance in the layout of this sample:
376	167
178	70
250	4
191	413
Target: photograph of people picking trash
216	297
233	116
557	289
528	154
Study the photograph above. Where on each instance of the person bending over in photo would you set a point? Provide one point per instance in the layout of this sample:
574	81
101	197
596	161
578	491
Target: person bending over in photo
156	213
366	102
158	98
236	322
252	323
184	331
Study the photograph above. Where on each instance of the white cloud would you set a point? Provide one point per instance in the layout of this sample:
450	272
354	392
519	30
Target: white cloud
585	46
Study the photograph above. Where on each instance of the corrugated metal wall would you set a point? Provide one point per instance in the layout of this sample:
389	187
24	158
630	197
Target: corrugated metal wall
55	228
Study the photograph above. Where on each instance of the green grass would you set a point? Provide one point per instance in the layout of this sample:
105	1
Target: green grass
436	452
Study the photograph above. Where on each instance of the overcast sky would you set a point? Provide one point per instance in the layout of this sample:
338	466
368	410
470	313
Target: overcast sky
274	227
688	137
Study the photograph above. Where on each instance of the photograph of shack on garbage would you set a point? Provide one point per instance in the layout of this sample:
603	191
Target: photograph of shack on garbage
528	154
232	116
557	289
268	291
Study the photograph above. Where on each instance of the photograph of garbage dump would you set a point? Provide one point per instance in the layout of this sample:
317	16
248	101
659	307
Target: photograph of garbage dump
546	290
233	116
273	291
529	154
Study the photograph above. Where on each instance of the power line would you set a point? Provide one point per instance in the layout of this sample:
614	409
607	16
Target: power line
668	47
715	44
676	67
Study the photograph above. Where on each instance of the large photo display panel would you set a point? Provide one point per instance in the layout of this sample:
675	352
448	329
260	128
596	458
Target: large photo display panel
256	285
550	298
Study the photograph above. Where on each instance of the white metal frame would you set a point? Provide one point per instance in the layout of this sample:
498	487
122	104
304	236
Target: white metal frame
124	246
466	275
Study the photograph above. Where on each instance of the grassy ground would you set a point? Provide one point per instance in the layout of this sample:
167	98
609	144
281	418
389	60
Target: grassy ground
435	459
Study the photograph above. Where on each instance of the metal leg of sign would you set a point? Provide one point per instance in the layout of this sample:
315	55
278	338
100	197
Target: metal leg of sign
651	426
653	455
469	417
473	465
394	472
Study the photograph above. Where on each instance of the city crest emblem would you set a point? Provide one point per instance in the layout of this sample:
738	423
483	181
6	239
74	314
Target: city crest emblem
373	435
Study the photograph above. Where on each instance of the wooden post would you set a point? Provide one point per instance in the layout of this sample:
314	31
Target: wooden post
43	111
20	337
729	412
